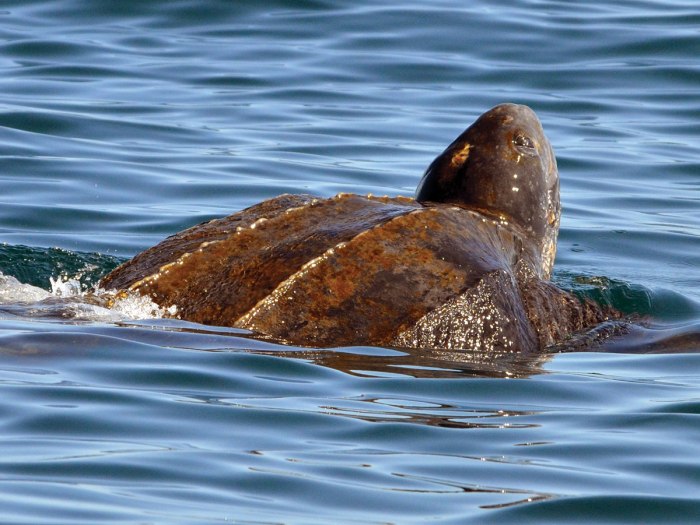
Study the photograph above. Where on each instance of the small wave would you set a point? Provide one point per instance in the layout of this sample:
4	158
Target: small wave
57	284
39	267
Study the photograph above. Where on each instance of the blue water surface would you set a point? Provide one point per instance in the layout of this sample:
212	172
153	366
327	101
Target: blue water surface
124	122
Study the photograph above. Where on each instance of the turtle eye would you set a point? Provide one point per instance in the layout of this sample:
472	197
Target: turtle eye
524	144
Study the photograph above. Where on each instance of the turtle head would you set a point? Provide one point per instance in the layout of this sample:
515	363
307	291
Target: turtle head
504	166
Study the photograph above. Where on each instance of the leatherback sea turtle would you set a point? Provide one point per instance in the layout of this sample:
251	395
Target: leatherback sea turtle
464	265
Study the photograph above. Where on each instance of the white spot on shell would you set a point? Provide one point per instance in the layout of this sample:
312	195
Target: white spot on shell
258	222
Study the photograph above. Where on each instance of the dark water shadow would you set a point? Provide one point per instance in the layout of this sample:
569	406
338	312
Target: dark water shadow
656	338
37	336
420	363
366	361
679	332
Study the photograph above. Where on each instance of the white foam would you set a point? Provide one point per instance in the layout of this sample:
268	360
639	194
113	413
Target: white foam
64	286
68	300
13	291
136	306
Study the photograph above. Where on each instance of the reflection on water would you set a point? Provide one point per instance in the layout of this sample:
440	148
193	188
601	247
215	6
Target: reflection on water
422	413
423	362
446	487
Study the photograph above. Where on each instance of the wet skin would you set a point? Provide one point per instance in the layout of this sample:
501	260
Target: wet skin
502	165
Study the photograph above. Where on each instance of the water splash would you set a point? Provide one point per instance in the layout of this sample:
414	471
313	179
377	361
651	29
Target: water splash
58	284
64	286
135	306
69	300
13	291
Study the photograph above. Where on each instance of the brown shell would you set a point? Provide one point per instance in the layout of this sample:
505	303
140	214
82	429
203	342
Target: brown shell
352	270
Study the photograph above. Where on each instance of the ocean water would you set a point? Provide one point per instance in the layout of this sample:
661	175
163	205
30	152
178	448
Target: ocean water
124	122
